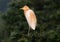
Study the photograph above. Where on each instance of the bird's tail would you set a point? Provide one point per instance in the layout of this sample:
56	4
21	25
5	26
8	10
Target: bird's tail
33	27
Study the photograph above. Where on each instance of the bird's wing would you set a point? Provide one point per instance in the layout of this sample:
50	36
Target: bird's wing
32	21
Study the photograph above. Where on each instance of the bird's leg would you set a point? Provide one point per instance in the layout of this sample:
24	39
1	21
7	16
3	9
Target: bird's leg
28	30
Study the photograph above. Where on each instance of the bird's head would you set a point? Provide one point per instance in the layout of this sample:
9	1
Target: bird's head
25	8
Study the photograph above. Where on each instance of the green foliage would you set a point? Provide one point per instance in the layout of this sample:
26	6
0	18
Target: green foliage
23	40
48	19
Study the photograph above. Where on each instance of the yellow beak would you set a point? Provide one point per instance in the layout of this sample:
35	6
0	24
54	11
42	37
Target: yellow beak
21	8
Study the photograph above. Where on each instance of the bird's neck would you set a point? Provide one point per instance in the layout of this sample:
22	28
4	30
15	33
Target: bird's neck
25	10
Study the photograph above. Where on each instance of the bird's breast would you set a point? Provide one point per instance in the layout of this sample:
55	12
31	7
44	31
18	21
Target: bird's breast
27	14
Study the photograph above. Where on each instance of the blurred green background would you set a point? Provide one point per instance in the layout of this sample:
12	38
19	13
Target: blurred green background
14	27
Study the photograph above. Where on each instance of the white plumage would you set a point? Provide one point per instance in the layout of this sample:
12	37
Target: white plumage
31	21
30	17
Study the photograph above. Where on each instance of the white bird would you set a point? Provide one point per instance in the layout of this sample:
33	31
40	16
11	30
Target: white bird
30	17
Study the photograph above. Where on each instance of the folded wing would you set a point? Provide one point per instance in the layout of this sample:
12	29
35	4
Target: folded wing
31	19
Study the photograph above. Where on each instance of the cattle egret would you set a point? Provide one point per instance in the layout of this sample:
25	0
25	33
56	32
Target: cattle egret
30	17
